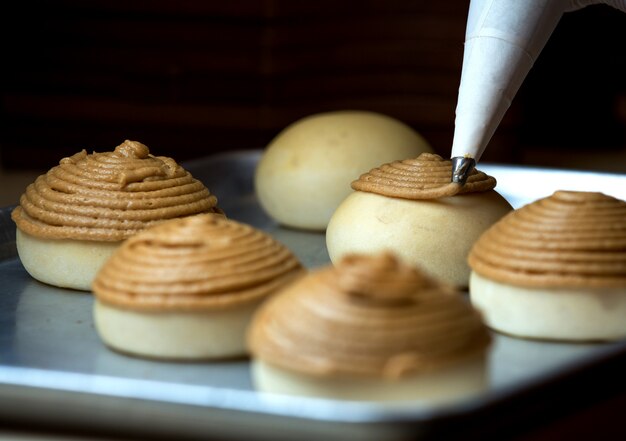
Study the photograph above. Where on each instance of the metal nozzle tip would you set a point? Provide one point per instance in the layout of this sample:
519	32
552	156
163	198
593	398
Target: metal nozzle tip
461	169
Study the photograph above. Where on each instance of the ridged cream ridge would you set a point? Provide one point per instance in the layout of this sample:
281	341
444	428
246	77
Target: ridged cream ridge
570	239
198	262
424	177
370	316
110	196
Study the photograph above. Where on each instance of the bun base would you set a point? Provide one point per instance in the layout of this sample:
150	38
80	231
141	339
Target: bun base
64	263
435	235
183	335
574	314
445	385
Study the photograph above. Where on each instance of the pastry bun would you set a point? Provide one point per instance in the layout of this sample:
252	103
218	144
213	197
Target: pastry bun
411	209
371	328
306	170
72	218
555	269
186	289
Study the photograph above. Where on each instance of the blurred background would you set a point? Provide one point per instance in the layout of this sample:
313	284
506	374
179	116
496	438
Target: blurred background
193	77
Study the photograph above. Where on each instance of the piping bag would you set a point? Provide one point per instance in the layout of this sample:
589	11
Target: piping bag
502	41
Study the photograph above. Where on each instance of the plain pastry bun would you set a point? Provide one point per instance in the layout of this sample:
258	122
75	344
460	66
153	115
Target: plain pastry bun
72	218
445	385
63	262
370	328
186	289
306	171
405	207
555	269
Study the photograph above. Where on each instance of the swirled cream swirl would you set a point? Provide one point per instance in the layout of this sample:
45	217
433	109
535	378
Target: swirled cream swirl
198	262
570	239
425	177
110	196
369	316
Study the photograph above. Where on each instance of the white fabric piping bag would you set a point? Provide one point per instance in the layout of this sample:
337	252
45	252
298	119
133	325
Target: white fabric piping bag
503	40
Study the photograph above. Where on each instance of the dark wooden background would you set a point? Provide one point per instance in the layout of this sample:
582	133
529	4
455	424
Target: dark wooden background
193	77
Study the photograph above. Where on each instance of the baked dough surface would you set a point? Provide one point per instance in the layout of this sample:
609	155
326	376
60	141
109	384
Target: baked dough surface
307	169
446	385
435	235
65	263
575	314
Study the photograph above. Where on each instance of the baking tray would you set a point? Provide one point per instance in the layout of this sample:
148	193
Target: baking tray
54	371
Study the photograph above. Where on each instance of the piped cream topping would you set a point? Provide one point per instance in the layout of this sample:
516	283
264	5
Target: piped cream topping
110	196
425	177
198	262
369	316
570	239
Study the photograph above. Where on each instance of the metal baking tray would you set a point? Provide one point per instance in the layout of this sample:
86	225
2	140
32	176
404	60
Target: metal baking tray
54	370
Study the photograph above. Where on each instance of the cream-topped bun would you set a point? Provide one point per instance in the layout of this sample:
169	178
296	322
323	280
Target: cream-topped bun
411	208
306	170
555	269
71	219
371	328
186	289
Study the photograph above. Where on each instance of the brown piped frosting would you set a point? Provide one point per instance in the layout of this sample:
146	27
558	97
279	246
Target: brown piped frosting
570	239
370	316
425	177
110	196
195	263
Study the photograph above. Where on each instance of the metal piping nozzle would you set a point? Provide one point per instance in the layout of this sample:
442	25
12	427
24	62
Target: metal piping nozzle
461	168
